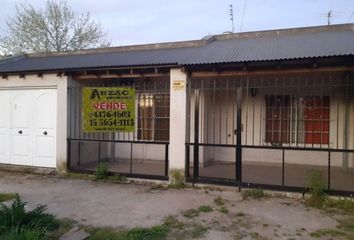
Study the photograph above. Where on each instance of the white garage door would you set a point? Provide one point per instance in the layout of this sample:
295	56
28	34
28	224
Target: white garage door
28	127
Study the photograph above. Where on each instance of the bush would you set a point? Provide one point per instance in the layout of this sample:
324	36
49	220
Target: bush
15	220
101	171
316	185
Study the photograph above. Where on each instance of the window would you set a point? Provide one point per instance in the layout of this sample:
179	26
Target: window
297	120
154	117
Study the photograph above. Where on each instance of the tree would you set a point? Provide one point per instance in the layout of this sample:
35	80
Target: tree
52	29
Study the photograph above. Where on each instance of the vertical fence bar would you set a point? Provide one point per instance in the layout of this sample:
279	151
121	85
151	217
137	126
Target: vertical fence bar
196	137
329	170
239	138
283	167
166	159
131	158
186	174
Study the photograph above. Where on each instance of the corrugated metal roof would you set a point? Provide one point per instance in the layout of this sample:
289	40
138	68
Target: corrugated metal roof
229	49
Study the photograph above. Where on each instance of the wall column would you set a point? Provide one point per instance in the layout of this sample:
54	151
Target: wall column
178	97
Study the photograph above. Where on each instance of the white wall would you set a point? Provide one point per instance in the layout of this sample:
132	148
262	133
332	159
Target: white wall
31	81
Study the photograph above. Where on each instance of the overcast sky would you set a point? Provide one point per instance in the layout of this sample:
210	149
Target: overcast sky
147	21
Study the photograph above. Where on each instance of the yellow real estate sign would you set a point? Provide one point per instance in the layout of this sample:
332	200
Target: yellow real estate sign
108	109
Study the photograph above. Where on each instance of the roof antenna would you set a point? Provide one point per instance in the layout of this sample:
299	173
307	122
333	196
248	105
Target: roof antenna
232	17
329	15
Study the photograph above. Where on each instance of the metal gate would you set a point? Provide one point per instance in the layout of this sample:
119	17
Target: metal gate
272	131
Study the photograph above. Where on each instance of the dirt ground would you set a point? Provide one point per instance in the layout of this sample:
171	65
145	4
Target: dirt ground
103	204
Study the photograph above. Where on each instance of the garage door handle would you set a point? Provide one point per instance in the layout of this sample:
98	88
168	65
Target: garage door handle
45	133
20	132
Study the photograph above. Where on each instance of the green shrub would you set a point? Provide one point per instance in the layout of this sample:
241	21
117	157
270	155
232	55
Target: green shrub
316	185
254	193
16	218
23	234
101	171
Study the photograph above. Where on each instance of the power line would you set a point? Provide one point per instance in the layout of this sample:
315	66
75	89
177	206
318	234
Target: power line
243	14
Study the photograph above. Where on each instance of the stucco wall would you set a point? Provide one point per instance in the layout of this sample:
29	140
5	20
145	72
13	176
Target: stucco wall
32	81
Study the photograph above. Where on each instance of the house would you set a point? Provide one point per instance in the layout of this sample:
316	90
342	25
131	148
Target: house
257	109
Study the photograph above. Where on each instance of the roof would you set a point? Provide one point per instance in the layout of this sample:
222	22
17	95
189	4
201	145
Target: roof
283	44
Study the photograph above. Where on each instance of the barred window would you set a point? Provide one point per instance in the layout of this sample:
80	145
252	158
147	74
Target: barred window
297	120
153	117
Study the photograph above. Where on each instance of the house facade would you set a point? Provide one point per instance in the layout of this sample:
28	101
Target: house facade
256	109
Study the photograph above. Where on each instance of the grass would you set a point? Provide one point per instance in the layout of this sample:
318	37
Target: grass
191	213
7	196
205	209
158	232
254	194
327	232
341	205
223	209
81	176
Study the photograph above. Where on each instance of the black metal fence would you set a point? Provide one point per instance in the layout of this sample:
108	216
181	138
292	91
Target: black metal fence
142	153
272	132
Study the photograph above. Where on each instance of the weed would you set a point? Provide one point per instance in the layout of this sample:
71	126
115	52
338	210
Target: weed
117	178
254	193
7	196
205	208
191	213
79	176
172	222
316	185
223	209
101	171
177	179
219	201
